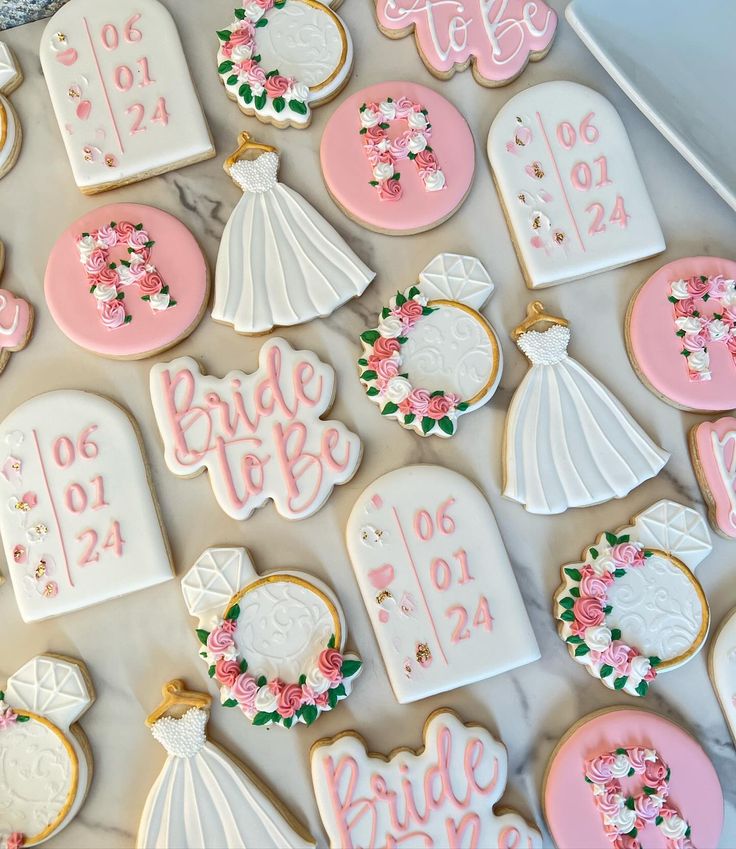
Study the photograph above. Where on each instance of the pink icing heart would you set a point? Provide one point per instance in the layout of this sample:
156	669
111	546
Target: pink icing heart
382	576
83	110
383	616
67	57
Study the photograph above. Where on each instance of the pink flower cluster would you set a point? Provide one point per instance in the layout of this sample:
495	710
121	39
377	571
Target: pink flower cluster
8	718
15	841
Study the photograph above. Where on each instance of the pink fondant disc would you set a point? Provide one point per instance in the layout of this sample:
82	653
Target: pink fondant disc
656	349
172	267
572	816
348	172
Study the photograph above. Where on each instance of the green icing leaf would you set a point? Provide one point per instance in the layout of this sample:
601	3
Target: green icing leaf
594	553
567	602
615	633
574	639
202	634
575	574
567	616
575	592
331	642
224	34
642	688
262	681
446	425
655	661
409	418
581	650
232	79
230	703
211	671
261	718
620	683
309	713
260	101
611	539
246	92
279	104
370	336
350	668
298	107
240	14
23	719
389	409
605	670
261	22
427	424
369	375
243	665
225	67
372	391
234	612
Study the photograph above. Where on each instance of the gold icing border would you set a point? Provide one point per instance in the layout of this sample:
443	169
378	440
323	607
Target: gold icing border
343	39
3	124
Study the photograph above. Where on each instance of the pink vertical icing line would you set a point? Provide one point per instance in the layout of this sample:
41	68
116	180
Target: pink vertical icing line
104	87
377	501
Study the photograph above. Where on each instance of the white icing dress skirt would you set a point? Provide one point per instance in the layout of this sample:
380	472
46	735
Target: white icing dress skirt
204	800
569	442
280	263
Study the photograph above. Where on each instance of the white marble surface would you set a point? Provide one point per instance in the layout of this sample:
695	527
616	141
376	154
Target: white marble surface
135	644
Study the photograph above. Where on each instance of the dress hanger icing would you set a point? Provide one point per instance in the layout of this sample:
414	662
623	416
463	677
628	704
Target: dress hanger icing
175	696
535	314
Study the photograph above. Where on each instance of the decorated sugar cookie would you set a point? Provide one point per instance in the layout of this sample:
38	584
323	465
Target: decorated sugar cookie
16	319
280	262
397	158
279	59
436	582
78	519
46	760
259	435
121	90
10	129
713	452
432	356
625	777
203	798
127	281
633	607
723	669
569	442
570	185
448	790
496	39
274	643
681	333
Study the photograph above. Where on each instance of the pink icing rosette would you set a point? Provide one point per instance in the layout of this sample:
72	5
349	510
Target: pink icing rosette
330	665
619	656
290	700
95	262
588	612
220	639
112	314
244	690
628	554
138	239
595	586
226	671
698	286
599	770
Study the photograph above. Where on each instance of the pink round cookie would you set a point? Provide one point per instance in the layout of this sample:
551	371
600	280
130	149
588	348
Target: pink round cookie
615	758
127	281
681	333
398	158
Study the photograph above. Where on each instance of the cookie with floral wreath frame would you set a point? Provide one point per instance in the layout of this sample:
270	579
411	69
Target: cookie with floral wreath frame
432	356
273	643
16	320
633	608
276	73
43	749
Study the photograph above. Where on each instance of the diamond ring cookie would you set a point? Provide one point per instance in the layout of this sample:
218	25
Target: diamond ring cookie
722	667
397	158
432	356
122	93
448	789
279	59
436	582
16	320
47	763
274	643
624	777
127	281
569	184
633	608
10	129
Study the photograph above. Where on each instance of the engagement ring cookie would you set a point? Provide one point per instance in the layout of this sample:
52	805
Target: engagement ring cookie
121	90
10	130
397	158
127	281
569	184
16	320
633	608
274	643
723	669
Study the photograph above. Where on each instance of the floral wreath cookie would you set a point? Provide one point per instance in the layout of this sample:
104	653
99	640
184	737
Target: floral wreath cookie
628	778
681	333
10	129
16	320
47	764
127	281
274	644
633	608
272	70
433	357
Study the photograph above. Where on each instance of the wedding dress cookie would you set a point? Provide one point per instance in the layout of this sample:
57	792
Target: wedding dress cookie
127	281
274	643
570	185
624	778
279	263
47	764
78	518
723	669
681	333
203	798
713	452
397	158
568	442
279	59
10	130
448	790
260	435
433	356
436	582
633	608
121	90
496	39
16	319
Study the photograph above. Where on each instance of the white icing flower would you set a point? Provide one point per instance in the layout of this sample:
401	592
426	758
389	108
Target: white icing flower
390	327
241	53
650	755
317	681
265	700
257	89
640	667
417	143
598	638
388	110
253	11
383	145
225	694
602	564
416	120
105	292
689	324
127	275
383	171
397	389
299	91
621	766
728	298
159	301
718	330
624	820
674	827
421	299
86	245
699	361
369	118
435	181
678	289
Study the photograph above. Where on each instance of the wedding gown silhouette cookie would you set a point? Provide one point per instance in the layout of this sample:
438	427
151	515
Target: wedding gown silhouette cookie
569	442
280	263
202	798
